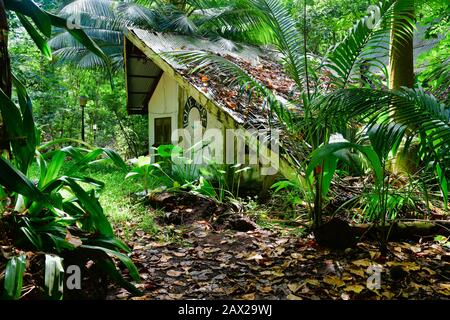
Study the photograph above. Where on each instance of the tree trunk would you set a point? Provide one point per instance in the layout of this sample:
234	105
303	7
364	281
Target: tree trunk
406	230
5	76
130	142
401	60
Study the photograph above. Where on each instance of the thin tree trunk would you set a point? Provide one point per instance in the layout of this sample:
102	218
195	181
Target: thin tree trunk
5	76
130	142
401	62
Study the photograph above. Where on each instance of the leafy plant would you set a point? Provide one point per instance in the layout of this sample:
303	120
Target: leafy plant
175	171
142	170
225	22
338	92
442	240
57	215
418	117
15	268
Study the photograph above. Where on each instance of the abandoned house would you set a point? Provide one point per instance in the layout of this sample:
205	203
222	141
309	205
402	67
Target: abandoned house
175	99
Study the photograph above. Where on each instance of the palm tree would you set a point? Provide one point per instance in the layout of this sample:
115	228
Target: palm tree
401	60
105	20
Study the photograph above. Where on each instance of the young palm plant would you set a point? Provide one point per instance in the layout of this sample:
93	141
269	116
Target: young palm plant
350	67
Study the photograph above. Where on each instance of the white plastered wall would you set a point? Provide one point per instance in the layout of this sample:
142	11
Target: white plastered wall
163	104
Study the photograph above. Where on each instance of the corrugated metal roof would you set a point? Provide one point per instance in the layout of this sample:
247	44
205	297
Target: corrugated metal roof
260	63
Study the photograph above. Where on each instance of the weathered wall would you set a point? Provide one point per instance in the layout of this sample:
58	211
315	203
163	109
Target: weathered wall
163	103
216	129
169	100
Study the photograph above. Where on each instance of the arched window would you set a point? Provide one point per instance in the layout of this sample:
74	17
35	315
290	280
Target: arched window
194	112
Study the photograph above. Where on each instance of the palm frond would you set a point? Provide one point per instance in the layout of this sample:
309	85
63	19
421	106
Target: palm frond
100	8
413	111
204	61
232	22
179	22
288	38
366	43
133	14
209	63
64	39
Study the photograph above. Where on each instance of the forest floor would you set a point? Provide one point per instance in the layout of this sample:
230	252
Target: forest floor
201	259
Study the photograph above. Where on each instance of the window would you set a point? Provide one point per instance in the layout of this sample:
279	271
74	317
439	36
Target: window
163	131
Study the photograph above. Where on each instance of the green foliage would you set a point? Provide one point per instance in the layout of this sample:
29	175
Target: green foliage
143	170
55	89
54	276
417	115
57	205
391	119
436	74
174	171
15	269
287	37
298	191
44	22
48	212
222	21
442	240
397	201
330	152
327	22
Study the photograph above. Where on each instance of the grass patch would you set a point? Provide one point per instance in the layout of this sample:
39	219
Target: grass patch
120	206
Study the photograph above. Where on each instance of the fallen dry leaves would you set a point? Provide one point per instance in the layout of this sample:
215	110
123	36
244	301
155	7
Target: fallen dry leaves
257	265
225	264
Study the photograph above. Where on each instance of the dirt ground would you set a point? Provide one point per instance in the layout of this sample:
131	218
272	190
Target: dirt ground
206	262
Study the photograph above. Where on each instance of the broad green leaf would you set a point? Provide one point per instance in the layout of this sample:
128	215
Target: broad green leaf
15	269
53	169
92	207
108	266
74	152
111	242
16	181
30	9
329	169
32	235
134	273
60	243
27	117
329	150
165	151
42	168
86	159
40	42
116	159
13	122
